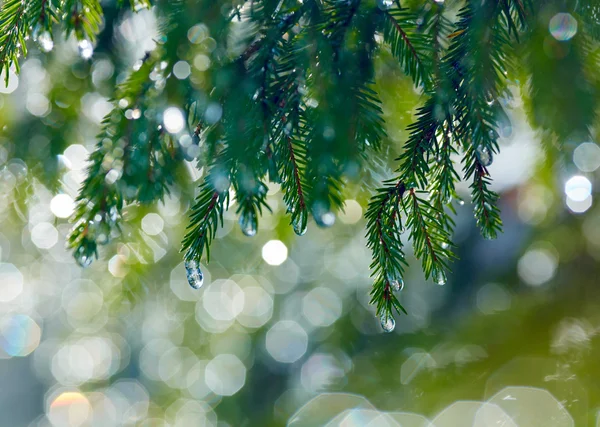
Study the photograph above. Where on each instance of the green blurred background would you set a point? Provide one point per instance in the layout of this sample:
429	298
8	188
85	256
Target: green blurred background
282	331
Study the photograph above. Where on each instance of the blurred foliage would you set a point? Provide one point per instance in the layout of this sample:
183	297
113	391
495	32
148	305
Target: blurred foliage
135	345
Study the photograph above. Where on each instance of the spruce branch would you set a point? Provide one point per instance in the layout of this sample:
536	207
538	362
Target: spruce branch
384	229
82	18
413	48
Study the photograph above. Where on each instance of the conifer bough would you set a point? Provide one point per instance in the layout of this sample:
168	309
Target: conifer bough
290	99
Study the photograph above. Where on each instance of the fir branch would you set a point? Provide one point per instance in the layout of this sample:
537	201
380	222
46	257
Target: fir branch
205	216
429	237
14	23
384	228
83	18
410	46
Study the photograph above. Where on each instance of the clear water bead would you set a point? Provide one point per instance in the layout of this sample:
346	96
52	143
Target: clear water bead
84	260
300	223
387	323
484	155
194	274
45	41
86	49
248	224
396	284
440	278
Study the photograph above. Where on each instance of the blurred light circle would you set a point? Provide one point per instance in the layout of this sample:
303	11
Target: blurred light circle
352	212
195	380
572	334
19	335
225	375
321	306
362	417
223	300
173	120
492	298
181	70
587	157
150	356
258	307
415	363
563	26
274	252
73	364
70	408
132	402
213	113
82	300
77	156
202	62
472	413
323	408
286	341
12	282
37	104
537	266
117	266
152	224
580	207
62	206
578	188
197	33
530	406
44	235
320	372
13	82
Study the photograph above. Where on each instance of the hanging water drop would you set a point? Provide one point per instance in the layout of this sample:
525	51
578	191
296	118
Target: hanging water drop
86	49
484	155
300	223
387	323
445	245
440	278
82	258
248	223
193	273
45	41
396	284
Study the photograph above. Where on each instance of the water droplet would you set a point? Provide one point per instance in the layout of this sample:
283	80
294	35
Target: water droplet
484	155
387	323
86	49
248	223
300	223
82	258
45	41
385	4
440	278
396	284
445	245
461	202
194	274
